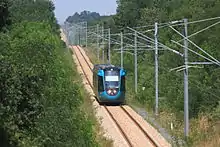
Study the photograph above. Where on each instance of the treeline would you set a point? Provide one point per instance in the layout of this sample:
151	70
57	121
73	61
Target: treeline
39	103
92	18
83	16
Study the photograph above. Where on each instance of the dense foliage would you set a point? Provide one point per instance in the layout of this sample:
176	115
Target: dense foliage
92	18
83	16
39	103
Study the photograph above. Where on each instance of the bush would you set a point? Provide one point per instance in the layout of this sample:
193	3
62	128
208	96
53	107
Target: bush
40	104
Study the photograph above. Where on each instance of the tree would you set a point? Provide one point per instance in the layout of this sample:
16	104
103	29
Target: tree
83	16
39	103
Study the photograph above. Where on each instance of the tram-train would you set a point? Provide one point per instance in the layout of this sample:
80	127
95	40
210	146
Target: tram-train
109	84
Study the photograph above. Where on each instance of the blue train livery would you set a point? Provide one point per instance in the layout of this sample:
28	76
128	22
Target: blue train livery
109	83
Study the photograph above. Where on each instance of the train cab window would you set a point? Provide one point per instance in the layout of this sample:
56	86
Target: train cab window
122	83
100	84
111	79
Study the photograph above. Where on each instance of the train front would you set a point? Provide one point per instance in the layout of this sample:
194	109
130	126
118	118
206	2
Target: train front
114	86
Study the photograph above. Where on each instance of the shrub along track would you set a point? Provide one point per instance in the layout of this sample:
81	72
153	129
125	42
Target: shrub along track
134	129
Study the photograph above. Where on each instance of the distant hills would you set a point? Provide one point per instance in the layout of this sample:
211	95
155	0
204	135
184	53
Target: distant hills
93	18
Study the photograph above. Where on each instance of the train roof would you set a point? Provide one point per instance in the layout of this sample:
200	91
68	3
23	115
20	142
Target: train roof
105	66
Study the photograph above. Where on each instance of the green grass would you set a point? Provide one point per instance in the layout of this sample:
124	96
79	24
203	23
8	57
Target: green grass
87	107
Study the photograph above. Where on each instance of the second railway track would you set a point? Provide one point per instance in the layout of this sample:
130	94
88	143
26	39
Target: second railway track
132	131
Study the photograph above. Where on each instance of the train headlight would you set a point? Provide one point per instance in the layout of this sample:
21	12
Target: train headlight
114	91
109	91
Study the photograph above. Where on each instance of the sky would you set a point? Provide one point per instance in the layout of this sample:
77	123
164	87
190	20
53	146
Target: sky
65	8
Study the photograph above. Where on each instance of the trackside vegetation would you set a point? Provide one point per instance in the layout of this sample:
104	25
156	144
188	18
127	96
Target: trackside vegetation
40	104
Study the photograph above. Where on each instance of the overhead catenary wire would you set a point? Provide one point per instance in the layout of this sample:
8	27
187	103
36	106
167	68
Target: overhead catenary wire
201	30
162	45
176	23
112	40
196	45
115	41
196	53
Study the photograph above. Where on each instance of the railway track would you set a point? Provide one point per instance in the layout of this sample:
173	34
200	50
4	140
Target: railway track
131	130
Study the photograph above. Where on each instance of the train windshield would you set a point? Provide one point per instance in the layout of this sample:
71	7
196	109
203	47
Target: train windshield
111	79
